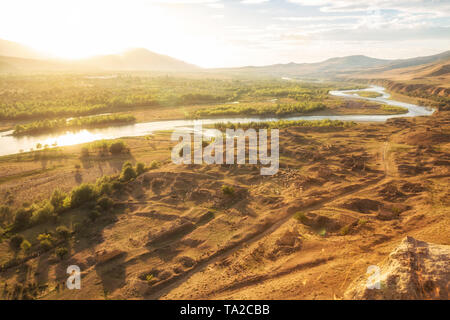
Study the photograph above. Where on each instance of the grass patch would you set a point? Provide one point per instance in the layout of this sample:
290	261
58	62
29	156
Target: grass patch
368	94
394	109
285	124
45	126
259	110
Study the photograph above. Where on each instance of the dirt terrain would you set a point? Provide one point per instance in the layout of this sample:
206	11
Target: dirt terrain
341	201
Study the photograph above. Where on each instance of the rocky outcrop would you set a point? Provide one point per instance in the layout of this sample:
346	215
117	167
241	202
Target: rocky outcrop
414	270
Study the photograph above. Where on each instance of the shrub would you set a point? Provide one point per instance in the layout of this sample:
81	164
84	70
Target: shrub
127	174
117	148
22	219
228	190
362	222
105	203
155	164
45	240
105	188
61	252
16	241
117	185
140	168
82	194
57	200
43	214
46	244
25	245
63	232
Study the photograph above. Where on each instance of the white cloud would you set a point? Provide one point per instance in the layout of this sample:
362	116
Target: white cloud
438	7
253	1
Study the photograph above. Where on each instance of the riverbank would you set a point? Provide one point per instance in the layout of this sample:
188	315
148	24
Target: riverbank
12	145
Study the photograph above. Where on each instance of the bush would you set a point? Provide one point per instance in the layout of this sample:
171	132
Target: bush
105	188
25	245
57	200
117	186
82	194
22	219
128	173
118	148
155	164
228	190
16	241
63	232
61	252
43	214
140	168
46	244
105	203
45	240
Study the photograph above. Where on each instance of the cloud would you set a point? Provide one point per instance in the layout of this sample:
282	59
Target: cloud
317	18
210	3
254	1
438	7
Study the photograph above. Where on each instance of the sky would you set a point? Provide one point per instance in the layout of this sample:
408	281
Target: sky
229	33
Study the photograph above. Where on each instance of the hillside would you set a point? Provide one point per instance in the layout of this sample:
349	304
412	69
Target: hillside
338	67
435	72
13	49
15	57
138	59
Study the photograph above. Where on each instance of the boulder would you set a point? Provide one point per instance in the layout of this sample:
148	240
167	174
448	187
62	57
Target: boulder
414	270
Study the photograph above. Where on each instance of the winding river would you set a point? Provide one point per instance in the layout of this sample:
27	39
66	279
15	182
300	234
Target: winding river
12	145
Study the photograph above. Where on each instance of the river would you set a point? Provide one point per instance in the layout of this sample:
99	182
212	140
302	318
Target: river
15	144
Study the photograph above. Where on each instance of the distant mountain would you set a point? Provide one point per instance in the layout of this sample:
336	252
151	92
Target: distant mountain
138	59
437	72
15	57
404	63
337	67
13	49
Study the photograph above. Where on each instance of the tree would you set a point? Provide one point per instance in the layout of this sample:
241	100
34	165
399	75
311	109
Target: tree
63	232
140	168
22	219
81	195
117	148
57	200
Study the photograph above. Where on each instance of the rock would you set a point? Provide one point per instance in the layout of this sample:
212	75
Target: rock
414	270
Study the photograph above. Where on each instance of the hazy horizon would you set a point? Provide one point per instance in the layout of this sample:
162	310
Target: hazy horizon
219	33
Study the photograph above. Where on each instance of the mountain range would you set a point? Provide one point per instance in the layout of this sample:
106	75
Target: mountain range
15	57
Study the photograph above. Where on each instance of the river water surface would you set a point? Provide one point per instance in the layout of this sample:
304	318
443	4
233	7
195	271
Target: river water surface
11	144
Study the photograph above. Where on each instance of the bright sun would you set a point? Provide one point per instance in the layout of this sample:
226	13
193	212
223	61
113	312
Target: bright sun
79	29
